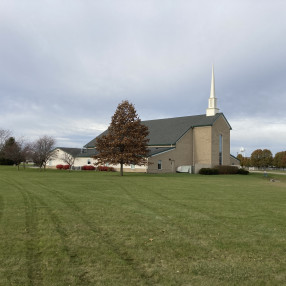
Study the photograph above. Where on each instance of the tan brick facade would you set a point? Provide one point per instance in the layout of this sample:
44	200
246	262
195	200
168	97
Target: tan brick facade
199	147
220	127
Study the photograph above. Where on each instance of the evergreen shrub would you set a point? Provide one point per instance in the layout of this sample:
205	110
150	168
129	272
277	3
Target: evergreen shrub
242	172
223	170
208	171
226	170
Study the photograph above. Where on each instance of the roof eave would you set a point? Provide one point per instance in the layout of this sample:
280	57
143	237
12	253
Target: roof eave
161	152
221	114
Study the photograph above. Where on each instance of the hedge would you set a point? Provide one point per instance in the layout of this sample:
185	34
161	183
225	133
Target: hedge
226	170
63	167
208	171
105	169
88	168
242	172
223	170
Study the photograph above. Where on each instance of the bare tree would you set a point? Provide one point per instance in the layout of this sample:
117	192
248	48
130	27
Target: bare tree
69	159
4	136
26	150
42	150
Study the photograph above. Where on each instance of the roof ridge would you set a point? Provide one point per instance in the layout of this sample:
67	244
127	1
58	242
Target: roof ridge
177	117
170	130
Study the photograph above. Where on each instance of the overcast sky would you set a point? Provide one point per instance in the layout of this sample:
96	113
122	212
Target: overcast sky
65	65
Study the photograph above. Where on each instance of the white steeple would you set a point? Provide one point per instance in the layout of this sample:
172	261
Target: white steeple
212	109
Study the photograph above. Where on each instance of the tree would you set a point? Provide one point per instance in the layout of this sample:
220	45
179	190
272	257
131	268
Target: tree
4	136
267	158
240	158
42	150
14	152
279	160
244	161
10	152
69	159
261	158
256	157
126	139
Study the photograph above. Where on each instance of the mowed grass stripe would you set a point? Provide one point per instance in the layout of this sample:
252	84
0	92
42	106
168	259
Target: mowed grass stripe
101	229
105	241
1	207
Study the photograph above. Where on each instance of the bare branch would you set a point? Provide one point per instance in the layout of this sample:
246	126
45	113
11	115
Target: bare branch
4	136
42	150
68	158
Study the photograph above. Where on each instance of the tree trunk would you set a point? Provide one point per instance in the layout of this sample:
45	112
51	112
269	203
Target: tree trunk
121	169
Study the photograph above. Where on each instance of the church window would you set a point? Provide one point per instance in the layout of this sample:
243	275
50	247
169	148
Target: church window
220	149
132	166
159	165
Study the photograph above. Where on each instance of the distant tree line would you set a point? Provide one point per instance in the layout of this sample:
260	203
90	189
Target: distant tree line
125	143
15	152
263	159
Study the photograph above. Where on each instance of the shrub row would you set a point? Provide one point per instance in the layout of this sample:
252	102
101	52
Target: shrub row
88	168
226	170
223	170
64	167
242	172
105	169
208	171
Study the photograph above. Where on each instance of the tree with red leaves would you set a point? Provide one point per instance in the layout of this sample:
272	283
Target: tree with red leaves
126	139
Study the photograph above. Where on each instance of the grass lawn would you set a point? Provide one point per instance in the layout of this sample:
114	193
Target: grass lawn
88	228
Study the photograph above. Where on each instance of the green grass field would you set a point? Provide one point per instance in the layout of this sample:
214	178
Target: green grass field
88	228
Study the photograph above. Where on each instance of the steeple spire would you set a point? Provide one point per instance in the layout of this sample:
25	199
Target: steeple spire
212	109
212	84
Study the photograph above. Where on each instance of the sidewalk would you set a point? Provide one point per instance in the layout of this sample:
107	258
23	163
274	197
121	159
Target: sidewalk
275	173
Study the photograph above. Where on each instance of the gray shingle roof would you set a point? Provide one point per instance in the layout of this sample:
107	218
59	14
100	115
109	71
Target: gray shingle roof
152	151
71	151
169	130
87	153
157	150
79	152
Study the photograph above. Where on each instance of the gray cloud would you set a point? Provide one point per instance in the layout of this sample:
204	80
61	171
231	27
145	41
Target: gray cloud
65	65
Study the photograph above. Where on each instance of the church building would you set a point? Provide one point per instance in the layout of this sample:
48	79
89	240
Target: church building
186	144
